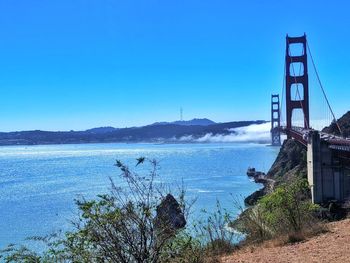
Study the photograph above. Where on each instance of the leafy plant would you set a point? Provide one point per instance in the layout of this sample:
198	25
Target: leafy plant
122	226
214	231
288	208
287	211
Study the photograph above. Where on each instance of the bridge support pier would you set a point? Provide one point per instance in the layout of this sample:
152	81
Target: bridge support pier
325	174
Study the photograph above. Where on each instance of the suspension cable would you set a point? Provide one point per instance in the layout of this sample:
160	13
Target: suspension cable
323	91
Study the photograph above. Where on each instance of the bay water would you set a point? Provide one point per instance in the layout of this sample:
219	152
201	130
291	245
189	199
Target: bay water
38	184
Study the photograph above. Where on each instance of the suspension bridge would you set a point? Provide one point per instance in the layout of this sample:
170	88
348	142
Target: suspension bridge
328	155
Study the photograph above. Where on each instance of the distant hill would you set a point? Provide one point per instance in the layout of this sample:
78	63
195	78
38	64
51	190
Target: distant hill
102	129
200	122
344	123
150	133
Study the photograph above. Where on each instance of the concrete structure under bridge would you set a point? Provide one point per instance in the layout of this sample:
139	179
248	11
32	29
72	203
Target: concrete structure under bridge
328	170
328	156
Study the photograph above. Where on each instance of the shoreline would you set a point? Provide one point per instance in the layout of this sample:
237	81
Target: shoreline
136	142
259	178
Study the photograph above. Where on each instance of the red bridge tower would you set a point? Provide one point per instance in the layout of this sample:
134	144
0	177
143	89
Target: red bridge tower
275	120
297	82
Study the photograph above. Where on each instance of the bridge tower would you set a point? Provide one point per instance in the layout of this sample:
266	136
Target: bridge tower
275	120
297	81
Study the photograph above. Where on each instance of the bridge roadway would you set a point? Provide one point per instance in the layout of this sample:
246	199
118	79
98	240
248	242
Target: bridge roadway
334	142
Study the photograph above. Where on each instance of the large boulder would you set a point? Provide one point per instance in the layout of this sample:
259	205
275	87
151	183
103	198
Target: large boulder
169	214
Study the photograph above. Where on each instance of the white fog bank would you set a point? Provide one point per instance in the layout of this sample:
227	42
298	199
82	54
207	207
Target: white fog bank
255	133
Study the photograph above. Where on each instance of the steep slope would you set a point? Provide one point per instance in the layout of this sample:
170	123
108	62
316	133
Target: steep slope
290	162
344	123
291	159
333	246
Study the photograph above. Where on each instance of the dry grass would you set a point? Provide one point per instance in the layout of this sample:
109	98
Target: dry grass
325	243
317	229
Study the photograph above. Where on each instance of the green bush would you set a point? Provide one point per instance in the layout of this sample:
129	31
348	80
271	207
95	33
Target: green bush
125	226
288	208
122	226
287	211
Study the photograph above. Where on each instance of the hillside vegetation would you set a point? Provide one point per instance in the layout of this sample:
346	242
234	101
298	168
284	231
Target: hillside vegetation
282	215
344	123
290	162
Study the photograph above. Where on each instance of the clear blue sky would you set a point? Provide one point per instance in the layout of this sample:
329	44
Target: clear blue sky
77	64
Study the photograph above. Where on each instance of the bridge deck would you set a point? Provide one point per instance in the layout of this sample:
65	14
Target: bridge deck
334	142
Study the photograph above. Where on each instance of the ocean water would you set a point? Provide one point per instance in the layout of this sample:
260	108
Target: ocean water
38	184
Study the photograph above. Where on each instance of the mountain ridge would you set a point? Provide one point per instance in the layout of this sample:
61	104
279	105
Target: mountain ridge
148	133
195	121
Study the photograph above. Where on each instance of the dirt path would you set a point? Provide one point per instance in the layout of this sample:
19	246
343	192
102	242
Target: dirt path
333	246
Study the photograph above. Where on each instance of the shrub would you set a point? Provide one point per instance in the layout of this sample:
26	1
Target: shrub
133	224
252	223
287	211
288	208
122	226
215	233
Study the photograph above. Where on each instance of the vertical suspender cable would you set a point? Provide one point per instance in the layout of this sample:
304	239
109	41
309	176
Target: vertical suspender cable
324	93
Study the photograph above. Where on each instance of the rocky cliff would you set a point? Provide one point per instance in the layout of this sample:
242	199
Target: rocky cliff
344	123
290	162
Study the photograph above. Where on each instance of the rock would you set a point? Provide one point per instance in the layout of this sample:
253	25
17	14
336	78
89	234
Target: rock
254	197
332	211
343	122
290	162
258	177
251	171
261	178
169	214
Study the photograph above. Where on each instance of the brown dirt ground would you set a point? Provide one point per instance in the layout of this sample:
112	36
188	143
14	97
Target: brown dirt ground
333	246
